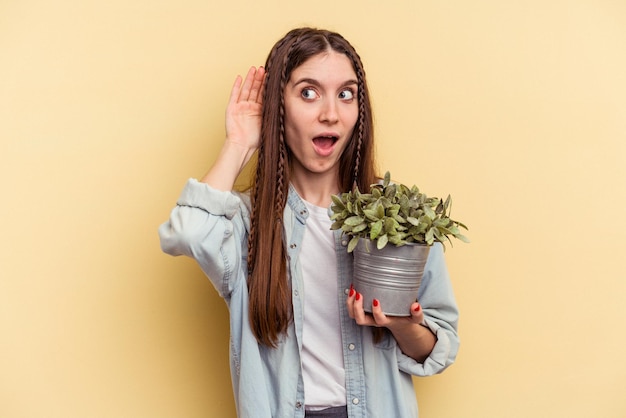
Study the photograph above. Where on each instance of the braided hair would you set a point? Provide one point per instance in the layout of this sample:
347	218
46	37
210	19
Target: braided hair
269	290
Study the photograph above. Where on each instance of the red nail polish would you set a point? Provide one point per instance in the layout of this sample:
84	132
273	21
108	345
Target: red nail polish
358	296
417	308
375	303
351	291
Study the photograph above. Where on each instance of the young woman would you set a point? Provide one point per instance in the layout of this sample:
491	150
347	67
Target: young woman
301	343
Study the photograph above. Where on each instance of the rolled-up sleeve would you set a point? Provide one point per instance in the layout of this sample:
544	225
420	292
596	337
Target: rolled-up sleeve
441	316
210	226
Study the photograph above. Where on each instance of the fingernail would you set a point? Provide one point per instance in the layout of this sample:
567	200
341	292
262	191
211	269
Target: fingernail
358	296
375	303
417	308
351	291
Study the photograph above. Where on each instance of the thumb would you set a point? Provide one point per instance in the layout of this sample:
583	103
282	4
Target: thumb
417	315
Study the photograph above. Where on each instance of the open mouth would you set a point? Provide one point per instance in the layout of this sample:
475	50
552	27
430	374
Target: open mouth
325	142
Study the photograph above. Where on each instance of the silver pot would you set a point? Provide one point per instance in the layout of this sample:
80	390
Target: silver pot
392	275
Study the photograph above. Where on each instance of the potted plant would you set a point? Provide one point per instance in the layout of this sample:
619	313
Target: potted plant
392	229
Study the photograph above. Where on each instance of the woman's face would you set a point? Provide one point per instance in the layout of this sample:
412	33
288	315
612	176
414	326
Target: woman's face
321	110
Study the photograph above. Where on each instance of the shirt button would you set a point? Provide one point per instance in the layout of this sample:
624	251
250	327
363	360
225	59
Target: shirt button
355	401
298	405
292	246
344	242
351	347
346	291
295	292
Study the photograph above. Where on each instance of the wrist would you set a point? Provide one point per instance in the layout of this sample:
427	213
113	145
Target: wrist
237	151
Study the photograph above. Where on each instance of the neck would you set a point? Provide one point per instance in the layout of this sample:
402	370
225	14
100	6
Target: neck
316	188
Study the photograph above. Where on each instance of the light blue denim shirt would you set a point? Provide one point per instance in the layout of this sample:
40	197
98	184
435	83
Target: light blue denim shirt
212	226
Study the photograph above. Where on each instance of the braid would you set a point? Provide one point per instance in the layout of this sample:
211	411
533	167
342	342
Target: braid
282	150
357	162
280	181
361	120
254	213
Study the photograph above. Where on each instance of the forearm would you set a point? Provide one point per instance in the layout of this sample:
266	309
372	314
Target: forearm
415	340
229	164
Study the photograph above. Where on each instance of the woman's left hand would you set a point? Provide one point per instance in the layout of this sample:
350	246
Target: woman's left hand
414	339
377	318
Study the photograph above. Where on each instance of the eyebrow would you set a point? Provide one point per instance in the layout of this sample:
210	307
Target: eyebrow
316	83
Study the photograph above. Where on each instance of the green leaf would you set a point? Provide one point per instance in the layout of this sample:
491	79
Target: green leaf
354	220
390	191
429	212
399	219
393	210
453	230
375	229
371	214
382	241
429	237
462	238
397	240
412	220
380	211
387	179
337	202
390	225
352	244
336	225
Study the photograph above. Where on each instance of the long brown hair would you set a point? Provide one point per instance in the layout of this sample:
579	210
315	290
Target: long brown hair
270	293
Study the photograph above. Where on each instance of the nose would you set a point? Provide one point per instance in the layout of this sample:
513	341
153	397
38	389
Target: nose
329	112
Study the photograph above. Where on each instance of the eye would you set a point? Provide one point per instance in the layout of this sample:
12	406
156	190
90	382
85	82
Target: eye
347	94
308	93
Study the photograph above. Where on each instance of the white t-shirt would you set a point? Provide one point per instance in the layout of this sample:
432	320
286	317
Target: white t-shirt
322	355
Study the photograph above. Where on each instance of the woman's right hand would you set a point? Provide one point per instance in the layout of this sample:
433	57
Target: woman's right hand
244	110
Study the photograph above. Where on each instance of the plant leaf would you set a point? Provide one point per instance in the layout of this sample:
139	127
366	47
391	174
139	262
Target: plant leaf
354	220
412	220
337	202
430	236
462	238
429	212
375	228
352	244
387	179
382	241
371	214
336	225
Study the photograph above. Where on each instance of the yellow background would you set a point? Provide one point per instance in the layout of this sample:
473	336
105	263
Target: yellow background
516	108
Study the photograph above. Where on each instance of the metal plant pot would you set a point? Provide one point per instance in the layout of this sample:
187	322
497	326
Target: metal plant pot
392	275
